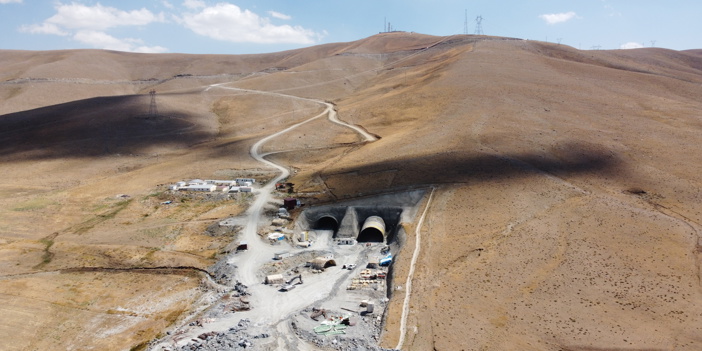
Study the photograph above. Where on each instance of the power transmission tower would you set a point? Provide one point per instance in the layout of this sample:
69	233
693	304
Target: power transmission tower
153	111
479	25
653	43
465	24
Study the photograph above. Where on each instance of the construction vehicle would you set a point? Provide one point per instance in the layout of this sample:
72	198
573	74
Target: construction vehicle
316	313
289	285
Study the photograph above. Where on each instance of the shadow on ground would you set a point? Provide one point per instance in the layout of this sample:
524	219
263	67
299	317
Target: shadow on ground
464	167
94	127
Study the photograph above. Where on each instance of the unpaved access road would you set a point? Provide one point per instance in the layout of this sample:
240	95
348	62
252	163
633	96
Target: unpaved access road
410	275
271	306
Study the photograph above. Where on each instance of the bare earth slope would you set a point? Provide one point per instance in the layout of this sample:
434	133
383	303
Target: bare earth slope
567	212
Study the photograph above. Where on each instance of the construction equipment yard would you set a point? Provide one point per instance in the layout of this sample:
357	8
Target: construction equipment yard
322	295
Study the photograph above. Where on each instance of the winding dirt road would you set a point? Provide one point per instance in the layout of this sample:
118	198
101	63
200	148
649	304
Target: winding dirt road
247	270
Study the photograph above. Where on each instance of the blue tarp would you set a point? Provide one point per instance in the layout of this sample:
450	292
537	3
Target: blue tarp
385	261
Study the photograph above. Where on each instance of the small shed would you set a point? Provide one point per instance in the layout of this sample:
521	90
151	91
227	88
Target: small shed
281	255
290	203
346	241
199	187
275	279
243	181
276	236
323	262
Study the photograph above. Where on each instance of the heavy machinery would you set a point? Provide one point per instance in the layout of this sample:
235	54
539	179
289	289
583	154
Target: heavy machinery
289	285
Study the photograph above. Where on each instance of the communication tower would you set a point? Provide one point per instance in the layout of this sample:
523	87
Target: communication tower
153	111
465	24
479	25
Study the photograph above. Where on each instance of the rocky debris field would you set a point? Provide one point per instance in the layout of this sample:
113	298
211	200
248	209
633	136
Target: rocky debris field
236	338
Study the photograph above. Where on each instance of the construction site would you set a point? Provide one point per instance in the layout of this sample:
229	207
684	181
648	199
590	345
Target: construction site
325	279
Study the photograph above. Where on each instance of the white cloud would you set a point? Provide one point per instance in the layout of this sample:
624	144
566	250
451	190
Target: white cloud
98	17
194	4
631	45
10	1
167	4
87	24
230	23
44	28
279	15
105	41
554	18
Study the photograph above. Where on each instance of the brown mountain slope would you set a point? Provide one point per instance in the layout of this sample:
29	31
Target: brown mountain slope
577	178
566	214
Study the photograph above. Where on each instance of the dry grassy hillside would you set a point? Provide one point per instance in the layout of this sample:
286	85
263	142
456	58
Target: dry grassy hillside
567	211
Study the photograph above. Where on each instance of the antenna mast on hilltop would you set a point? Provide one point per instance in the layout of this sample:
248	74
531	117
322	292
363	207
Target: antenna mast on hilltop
153	111
479	25
465	24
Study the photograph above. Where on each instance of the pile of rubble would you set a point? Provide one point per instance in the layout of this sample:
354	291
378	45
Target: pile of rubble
236	338
338	342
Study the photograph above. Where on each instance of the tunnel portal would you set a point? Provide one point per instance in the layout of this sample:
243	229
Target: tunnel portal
327	223
373	230
368	224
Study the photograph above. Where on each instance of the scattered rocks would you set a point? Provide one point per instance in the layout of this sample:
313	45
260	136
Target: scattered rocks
236	338
240	289
223	272
216	229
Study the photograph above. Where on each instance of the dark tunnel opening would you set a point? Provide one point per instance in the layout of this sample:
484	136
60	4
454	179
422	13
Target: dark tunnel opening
327	223
371	235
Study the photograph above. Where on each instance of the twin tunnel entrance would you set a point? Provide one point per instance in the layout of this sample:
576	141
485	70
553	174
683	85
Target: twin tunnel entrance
373	229
359	223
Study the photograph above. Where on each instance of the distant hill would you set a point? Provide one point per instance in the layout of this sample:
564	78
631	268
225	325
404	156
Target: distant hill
568	205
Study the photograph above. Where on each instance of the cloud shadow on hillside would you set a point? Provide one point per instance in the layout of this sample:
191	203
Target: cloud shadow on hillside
467	167
93	127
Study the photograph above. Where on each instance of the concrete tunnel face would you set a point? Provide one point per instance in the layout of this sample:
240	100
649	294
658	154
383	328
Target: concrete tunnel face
327	223
373	230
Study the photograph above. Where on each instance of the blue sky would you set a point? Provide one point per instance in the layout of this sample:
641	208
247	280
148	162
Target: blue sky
260	26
